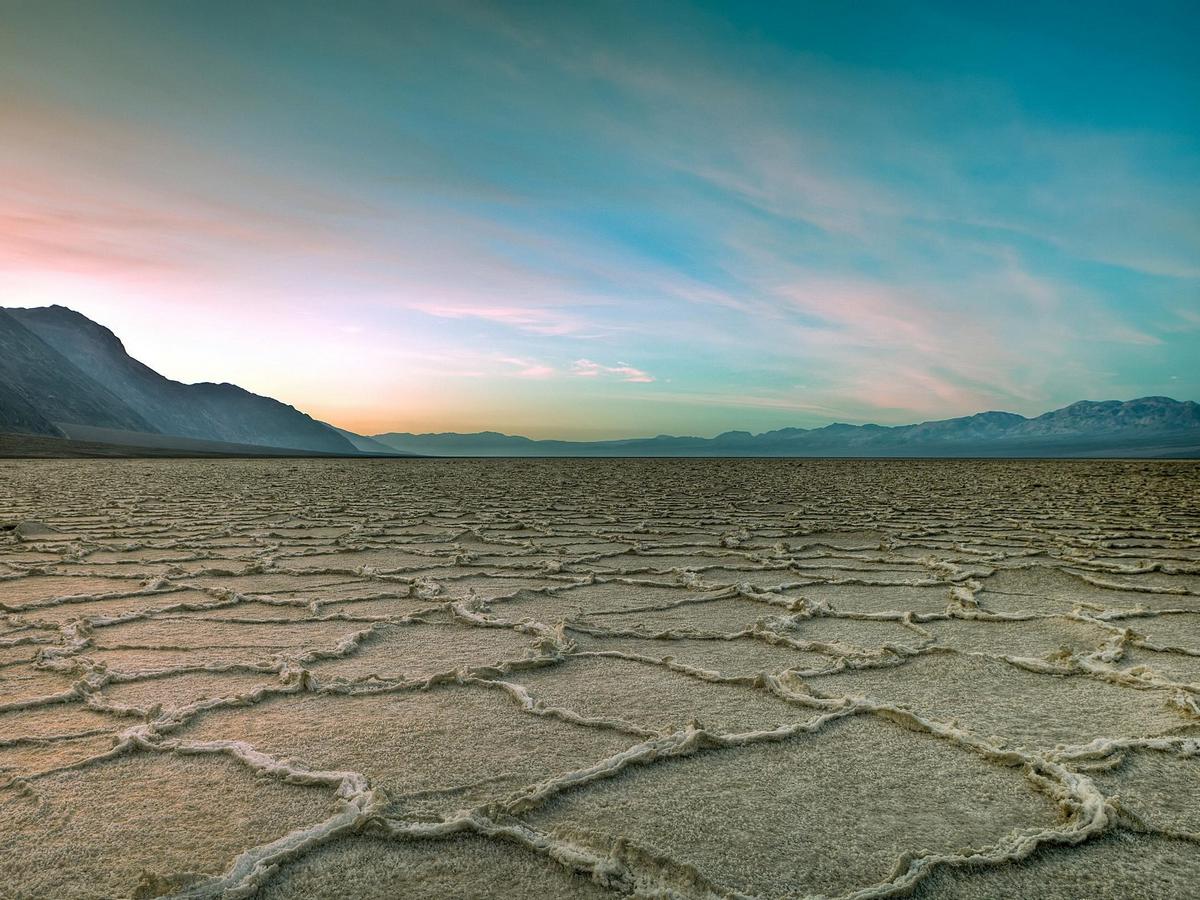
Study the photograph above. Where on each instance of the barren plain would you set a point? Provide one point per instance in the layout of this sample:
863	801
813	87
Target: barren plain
462	678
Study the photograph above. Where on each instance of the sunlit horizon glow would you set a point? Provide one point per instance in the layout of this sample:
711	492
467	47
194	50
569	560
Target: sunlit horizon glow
615	220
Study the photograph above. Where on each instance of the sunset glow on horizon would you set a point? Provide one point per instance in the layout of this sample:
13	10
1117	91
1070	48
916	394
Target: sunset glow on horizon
612	220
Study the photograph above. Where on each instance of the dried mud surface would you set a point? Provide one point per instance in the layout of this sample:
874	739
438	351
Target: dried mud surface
565	678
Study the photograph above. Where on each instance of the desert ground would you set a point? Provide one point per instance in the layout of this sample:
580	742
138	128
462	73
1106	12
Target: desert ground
290	679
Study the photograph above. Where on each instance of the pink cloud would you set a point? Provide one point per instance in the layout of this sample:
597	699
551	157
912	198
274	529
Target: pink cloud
868	313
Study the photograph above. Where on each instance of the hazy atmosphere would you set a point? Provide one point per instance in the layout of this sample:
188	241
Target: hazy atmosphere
614	220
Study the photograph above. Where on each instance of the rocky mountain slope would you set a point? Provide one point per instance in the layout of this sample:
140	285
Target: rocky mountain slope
60	369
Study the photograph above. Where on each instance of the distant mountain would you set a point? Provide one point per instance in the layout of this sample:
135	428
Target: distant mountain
63	375
1147	427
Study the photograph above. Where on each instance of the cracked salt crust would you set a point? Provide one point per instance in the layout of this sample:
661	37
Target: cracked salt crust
683	679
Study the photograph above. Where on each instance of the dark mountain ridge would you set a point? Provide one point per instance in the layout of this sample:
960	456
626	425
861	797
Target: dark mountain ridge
59	369
39	386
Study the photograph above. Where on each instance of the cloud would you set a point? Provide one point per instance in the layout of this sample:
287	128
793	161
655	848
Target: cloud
586	368
535	320
528	368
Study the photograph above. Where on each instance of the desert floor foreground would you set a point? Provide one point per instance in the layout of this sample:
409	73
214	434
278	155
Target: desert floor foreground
565	678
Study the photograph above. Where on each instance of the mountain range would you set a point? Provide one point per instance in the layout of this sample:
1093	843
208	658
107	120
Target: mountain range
1146	427
67	384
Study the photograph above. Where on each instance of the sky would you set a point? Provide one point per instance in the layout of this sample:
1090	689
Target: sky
599	220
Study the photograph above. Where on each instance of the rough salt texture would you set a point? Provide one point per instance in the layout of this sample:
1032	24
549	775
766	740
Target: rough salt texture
568	678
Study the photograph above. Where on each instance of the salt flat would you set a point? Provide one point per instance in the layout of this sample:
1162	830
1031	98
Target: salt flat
569	678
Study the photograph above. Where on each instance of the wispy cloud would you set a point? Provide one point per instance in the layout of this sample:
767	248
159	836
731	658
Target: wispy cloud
528	368
586	368
535	320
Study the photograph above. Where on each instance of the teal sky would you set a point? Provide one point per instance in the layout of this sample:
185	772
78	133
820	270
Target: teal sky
616	219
